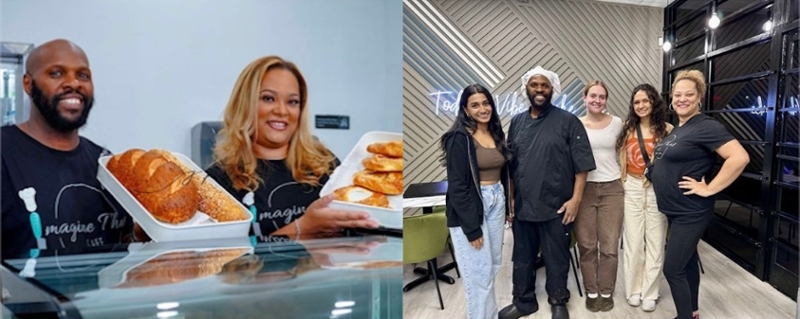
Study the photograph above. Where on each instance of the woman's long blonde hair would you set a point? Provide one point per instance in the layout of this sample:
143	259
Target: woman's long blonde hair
308	159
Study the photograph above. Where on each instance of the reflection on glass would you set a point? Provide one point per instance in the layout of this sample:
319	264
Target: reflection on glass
692	27
728	7
743	125
788	168
741	29
687	8
8	94
790	124
688	51
176	267
233	279
745	61
791	96
740	95
742	218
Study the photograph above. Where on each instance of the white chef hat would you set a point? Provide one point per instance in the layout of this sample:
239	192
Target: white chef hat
538	70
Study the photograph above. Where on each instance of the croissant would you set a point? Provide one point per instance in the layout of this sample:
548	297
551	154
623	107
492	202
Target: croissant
390	183
391	149
162	187
346	194
382	163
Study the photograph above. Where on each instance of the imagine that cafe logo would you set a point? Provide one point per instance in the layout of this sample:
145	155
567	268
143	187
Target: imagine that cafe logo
509	103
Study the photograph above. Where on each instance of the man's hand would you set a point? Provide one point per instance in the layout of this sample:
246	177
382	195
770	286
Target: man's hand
571	209
510	215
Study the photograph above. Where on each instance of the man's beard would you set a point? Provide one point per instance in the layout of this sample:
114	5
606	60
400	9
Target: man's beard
548	98
48	107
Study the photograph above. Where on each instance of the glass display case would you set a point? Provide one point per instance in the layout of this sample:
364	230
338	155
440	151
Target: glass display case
356	276
15	107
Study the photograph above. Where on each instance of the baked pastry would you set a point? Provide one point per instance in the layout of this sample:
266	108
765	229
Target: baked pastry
389	183
162	187
350	194
382	163
391	149
213	201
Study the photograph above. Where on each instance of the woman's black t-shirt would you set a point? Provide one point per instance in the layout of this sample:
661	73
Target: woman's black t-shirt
279	200
689	150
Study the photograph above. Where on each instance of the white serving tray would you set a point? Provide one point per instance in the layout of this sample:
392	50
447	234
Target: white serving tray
343	176
160	231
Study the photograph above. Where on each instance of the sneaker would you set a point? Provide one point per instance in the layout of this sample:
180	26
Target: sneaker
648	305
634	300
606	304
593	304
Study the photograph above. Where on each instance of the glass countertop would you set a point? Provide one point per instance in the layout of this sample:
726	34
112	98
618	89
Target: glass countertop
341	277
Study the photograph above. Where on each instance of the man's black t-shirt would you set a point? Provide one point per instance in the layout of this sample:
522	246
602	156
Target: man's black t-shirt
62	187
689	150
279	200
548	152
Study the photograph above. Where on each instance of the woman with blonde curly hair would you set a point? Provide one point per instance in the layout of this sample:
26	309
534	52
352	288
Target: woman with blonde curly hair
684	185
267	158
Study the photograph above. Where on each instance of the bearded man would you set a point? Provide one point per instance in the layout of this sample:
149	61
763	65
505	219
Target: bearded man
52	202
551	159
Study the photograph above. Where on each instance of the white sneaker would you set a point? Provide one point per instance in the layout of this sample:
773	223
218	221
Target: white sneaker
635	300
648	305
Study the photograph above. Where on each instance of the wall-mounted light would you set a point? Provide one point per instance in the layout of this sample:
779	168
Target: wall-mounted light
666	46
767	27
713	22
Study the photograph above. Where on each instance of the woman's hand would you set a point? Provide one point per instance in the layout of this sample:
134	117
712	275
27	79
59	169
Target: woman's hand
478	243
699	188
319	218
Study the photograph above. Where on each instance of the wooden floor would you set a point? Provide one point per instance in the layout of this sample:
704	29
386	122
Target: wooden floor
726	291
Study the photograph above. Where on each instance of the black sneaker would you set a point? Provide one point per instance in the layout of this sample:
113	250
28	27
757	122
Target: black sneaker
606	304
593	304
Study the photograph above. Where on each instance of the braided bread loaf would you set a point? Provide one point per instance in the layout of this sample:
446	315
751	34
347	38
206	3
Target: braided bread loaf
169	190
161	186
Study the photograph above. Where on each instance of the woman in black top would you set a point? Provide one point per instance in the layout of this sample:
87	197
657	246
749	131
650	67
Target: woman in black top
476	156
267	158
685	191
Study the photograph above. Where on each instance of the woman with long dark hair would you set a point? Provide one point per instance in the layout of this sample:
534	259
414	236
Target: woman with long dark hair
644	226
476	157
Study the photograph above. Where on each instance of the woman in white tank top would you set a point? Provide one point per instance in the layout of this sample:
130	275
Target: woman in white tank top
599	221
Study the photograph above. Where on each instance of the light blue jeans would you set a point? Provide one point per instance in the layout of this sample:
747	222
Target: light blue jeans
479	267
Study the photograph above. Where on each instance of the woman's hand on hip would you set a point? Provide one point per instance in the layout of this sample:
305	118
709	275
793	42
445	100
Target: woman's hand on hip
699	188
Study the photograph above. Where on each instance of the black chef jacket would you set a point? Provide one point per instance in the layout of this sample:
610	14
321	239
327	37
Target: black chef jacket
548	152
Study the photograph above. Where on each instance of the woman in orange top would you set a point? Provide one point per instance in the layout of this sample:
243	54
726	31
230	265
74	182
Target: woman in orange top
643	224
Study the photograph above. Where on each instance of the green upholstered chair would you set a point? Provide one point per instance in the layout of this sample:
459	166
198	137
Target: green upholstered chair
424	239
443	209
